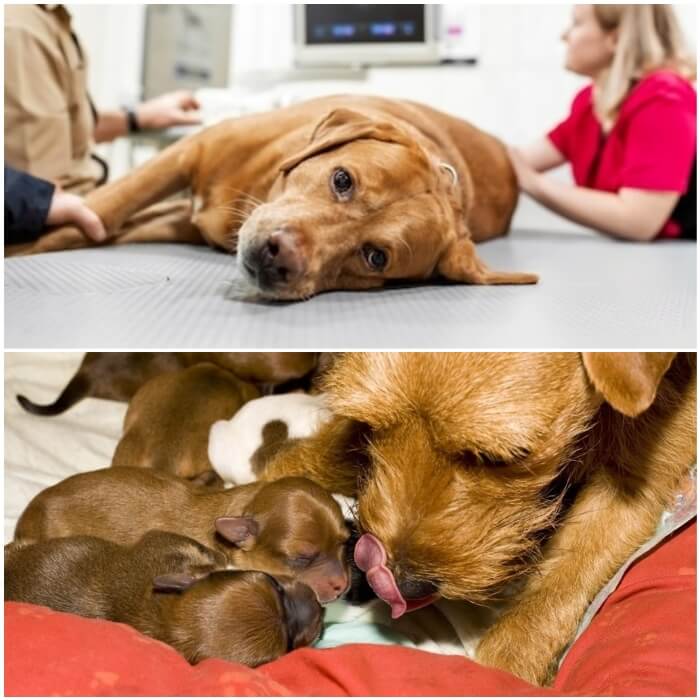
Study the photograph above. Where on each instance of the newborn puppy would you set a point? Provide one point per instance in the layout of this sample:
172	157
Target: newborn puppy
170	588
118	375
240	447
168	421
289	527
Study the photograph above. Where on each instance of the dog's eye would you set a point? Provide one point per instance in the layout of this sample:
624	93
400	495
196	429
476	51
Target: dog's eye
302	561
376	258
482	459
342	182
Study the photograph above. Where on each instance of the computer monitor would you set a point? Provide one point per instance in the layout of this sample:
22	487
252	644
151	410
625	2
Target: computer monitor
365	34
186	46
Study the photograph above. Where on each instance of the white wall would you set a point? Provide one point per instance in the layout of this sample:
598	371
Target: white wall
518	90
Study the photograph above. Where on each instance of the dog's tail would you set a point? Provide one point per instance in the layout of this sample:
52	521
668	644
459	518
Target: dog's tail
76	389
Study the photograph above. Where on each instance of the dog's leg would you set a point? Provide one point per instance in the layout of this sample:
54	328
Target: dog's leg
602	529
328	458
163	175
167	173
168	222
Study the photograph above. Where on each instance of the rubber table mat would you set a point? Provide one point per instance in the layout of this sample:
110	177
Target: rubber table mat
594	293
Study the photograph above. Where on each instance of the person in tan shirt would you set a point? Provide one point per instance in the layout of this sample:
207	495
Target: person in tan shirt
51	125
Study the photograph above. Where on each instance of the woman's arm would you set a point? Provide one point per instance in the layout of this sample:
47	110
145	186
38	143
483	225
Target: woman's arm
632	214
542	155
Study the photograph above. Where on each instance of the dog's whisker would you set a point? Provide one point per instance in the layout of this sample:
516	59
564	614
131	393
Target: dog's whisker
242	213
229	188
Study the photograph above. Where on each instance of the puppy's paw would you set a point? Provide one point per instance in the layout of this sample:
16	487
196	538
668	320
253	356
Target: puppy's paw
524	651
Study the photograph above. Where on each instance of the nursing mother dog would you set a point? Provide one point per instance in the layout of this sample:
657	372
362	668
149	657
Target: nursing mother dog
342	192
524	477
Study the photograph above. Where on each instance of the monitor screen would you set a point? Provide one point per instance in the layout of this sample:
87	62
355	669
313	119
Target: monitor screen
185	46
332	35
351	24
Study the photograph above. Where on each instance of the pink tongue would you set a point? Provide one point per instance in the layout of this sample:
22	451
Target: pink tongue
370	557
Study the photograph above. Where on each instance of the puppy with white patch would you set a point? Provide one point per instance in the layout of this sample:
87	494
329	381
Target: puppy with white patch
240	448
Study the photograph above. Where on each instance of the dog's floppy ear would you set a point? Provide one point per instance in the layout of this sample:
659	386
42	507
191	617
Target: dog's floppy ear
627	380
240	531
342	126
460	263
175	583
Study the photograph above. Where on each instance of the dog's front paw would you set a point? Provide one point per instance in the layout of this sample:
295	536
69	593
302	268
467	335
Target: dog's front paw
513	646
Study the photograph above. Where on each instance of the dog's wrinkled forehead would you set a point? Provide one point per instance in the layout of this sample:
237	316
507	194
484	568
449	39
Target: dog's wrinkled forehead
378	388
342	126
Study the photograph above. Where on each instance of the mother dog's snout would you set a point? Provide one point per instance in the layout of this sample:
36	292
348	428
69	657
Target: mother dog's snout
277	261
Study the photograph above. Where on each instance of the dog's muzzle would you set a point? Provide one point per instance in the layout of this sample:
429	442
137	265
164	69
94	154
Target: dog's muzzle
370	557
276	263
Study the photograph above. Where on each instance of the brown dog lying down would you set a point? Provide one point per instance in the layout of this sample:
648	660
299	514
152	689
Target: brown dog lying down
290	527
342	192
475	470
169	418
170	588
118	375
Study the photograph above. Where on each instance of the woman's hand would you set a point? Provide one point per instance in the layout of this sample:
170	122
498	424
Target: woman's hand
529	179
66	208
171	109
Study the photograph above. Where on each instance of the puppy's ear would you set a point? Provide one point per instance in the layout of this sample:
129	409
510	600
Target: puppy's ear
342	126
627	380
239	531
459	263
174	583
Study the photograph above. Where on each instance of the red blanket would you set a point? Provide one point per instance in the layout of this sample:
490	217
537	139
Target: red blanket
641	642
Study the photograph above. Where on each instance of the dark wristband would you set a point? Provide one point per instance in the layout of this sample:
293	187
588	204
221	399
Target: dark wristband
132	120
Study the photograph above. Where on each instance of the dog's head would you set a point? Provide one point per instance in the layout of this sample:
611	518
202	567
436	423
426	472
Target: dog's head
292	527
363	203
244	616
464	458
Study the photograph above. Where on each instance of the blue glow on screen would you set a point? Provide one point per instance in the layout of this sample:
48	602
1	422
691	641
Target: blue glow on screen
382	28
342	30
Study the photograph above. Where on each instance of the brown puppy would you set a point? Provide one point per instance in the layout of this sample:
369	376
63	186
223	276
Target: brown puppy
118	375
170	588
341	192
289	527
168	421
474	470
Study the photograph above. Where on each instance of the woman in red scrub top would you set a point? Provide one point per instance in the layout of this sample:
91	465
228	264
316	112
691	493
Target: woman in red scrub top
630	137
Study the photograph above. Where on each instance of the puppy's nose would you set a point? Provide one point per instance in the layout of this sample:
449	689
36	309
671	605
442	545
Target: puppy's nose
338	584
412	589
278	261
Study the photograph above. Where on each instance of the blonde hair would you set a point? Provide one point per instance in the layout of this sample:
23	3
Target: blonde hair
649	38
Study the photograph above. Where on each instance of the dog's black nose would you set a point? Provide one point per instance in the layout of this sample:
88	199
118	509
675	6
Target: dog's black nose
412	589
277	262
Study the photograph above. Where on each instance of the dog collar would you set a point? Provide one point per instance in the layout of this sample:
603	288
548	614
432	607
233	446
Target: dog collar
451	170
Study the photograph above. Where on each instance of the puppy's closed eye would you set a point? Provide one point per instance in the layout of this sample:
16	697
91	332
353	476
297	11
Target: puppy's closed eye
303	561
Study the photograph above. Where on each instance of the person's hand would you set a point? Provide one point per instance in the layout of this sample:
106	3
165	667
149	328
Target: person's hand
528	178
171	109
66	208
